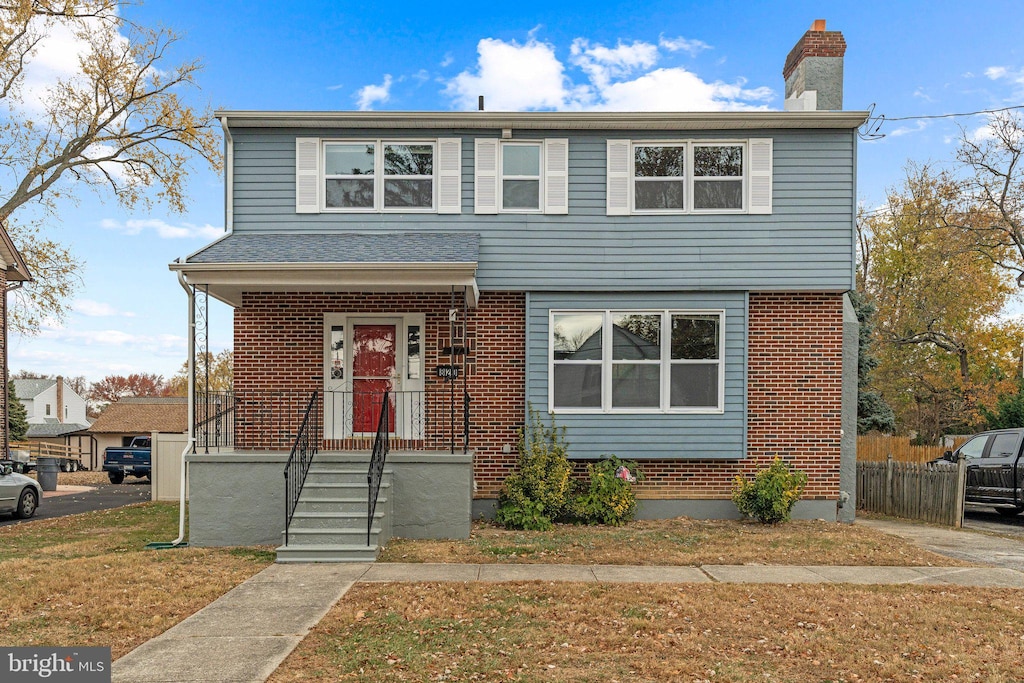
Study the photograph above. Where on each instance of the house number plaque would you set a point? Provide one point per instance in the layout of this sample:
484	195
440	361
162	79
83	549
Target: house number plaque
447	372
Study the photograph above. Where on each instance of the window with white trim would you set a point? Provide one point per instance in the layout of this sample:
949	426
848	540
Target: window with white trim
521	176
689	176
637	361
378	175
366	176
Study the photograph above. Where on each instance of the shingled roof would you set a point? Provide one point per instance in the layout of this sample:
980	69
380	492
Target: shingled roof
142	416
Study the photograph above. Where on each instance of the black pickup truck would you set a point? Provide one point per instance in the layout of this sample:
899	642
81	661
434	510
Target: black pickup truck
135	460
995	469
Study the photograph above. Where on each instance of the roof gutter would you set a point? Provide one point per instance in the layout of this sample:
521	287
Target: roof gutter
746	120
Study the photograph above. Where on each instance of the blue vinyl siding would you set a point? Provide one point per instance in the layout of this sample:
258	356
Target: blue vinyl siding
807	243
646	436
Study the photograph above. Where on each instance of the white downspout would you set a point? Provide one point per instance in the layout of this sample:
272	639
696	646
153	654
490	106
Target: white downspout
191	406
229	185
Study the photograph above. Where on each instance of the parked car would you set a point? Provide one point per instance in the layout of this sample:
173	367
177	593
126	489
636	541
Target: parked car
995	470
20	459
19	494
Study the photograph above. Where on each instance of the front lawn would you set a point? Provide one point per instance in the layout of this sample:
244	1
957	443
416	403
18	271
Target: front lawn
680	541
87	580
660	632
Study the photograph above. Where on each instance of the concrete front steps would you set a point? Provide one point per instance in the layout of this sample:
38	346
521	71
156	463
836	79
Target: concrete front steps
329	524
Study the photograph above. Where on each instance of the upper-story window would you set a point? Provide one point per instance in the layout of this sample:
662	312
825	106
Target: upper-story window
682	177
689	176
521	176
379	176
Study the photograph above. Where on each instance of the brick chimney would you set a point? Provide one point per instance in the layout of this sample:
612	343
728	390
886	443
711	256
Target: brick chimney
60	398
814	71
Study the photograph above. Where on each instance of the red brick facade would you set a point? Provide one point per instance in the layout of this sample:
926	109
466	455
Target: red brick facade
279	345
794	379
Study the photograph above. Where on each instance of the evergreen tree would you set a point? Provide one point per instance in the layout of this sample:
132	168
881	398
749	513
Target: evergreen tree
17	415
873	413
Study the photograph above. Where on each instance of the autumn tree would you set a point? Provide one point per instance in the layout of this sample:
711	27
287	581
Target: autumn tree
942	351
118	124
873	413
221	376
992	162
114	387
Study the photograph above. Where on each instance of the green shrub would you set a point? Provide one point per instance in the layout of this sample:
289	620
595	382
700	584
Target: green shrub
605	498
770	497
538	492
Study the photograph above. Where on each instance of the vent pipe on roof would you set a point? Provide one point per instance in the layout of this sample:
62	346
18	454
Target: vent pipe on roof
480	103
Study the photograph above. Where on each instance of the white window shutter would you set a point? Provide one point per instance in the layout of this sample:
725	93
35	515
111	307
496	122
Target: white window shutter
617	191
449	175
760	166
556	175
307	175
486	181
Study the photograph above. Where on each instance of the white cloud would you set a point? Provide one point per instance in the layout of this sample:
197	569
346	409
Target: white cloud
448	60
677	89
97	309
156	344
163	229
369	95
602	64
692	47
907	130
512	77
996	72
530	76
339	86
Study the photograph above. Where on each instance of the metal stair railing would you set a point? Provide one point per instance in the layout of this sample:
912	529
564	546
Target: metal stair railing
381	445
307	442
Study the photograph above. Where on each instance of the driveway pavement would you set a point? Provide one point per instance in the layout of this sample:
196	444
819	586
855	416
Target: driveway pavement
967	545
72	500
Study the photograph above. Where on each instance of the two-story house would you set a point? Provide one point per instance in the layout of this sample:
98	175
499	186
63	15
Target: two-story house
669	287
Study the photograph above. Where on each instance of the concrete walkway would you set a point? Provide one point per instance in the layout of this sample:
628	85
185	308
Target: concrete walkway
246	634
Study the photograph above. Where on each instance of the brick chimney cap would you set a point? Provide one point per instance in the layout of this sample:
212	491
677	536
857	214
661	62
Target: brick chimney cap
817	42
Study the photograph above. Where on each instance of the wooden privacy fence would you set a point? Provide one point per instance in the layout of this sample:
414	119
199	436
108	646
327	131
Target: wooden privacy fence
931	493
878	448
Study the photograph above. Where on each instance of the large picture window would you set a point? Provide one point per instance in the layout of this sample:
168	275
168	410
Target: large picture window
379	175
637	361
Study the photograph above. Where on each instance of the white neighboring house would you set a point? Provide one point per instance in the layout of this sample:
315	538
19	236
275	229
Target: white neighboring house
55	410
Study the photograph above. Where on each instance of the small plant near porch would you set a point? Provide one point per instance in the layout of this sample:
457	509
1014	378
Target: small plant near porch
538	493
543	492
770	496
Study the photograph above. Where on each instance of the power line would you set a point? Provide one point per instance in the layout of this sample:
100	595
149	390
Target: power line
871	129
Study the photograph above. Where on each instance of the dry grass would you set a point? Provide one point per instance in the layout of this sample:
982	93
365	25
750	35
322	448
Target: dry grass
87	580
674	542
695	632
82	478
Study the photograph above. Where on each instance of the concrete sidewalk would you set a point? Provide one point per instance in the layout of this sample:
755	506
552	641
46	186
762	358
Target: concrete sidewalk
246	634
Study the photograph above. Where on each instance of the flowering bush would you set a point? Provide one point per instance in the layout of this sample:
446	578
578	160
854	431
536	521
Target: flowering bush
607	497
770	497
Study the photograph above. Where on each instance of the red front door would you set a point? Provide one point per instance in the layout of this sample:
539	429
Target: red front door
373	372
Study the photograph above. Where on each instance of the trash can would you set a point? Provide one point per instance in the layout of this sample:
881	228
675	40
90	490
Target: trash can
47	469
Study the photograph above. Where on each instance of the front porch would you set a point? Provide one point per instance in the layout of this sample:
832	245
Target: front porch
237	497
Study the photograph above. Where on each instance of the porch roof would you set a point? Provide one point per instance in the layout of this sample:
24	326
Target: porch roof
346	261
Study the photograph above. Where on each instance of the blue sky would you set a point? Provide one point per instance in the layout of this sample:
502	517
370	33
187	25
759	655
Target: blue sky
906	58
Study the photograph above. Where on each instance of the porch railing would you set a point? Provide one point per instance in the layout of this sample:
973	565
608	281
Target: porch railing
347	420
381	445
299	460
